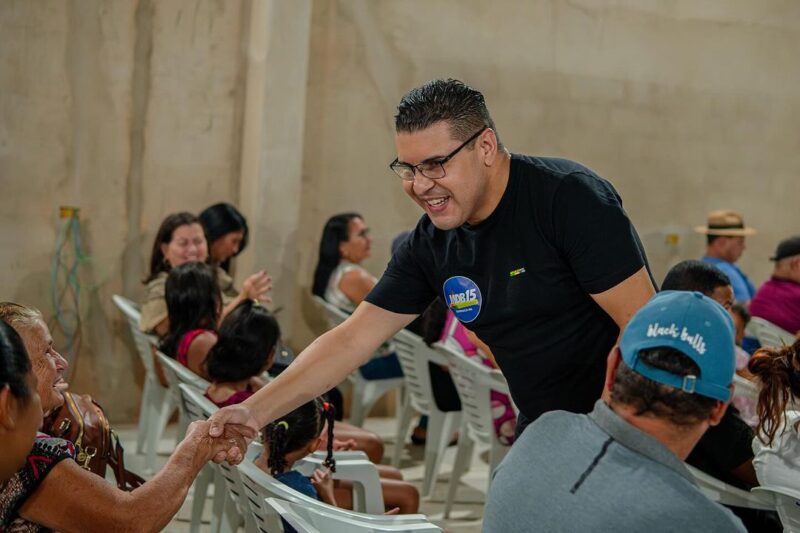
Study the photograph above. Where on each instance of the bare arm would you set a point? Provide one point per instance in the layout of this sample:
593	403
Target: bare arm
198	353
72	499
356	284
324	364
623	300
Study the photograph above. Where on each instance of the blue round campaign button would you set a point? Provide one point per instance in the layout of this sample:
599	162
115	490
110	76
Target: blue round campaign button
463	298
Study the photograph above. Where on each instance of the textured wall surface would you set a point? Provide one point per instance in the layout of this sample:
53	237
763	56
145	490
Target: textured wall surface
132	110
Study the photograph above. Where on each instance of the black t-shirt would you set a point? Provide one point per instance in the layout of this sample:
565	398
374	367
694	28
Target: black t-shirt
724	447
521	280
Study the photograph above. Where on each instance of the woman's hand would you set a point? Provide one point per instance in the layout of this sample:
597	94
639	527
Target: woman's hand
323	482
234	421
256	287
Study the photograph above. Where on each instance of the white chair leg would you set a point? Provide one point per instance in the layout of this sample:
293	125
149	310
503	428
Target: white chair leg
440	429
403	425
465	449
201	485
153	435
218	505
496	454
357	404
166	408
144	414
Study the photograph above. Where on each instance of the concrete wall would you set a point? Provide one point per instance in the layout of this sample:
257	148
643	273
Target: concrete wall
132	110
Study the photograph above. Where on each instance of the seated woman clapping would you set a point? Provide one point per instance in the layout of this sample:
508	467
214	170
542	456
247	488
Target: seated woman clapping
180	239
50	490
298	434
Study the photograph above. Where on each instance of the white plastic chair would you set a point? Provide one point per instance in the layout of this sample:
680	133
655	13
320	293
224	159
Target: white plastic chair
768	334
310	520
258	485
227	512
744	387
157	404
787	503
414	356
725	494
365	391
474	383
367	492
178	375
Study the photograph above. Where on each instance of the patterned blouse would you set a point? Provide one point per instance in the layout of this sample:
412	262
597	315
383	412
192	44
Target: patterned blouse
47	452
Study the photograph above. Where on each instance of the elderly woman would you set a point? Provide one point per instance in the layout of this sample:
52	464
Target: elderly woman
181	239
20	409
52	492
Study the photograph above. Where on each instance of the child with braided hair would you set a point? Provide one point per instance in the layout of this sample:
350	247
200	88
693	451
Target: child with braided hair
777	444
298	434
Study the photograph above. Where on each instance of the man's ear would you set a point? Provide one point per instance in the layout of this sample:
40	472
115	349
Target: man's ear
9	405
612	363
487	143
719	410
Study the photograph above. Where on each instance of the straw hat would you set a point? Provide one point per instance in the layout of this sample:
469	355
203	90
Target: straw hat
725	223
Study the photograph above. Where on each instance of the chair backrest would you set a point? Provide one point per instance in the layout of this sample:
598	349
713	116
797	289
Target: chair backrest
335	315
414	356
725	494
744	387
769	334
176	374
259	485
322	519
474	383
787	503
141	340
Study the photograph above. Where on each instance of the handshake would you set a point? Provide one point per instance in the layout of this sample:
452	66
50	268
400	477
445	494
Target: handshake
223	437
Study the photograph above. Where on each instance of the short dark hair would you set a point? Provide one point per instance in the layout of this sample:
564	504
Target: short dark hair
335	232
247	340
220	219
193	301
15	365
453	101
694	275
164	236
741	310
662	401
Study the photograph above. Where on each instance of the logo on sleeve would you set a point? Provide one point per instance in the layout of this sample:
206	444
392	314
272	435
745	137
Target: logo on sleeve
463	297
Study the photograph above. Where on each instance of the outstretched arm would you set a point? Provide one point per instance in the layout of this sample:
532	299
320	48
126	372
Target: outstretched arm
324	364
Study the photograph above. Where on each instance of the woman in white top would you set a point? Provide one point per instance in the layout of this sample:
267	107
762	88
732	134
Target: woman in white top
777	444
341	280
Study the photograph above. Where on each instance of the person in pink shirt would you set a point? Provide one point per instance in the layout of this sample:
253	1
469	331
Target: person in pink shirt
778	300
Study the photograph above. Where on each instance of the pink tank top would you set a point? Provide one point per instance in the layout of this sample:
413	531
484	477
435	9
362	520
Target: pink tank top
233	399
182	353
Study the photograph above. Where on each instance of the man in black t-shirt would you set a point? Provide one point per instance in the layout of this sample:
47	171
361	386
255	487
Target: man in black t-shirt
534	255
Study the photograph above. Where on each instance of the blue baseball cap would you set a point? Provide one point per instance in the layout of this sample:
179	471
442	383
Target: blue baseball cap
696	326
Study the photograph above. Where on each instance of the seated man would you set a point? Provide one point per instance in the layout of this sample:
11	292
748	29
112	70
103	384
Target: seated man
725	233
620	467
778	300
725	450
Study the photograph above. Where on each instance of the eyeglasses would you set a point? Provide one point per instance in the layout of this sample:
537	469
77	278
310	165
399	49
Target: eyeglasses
431	169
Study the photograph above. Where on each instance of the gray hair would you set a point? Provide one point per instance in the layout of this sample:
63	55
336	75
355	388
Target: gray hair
19	316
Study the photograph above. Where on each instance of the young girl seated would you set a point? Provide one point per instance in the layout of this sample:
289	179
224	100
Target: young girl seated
298	434
194	304
245	348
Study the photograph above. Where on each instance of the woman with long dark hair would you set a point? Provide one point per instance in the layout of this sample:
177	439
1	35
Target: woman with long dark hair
341	280
194	304
777	442
226	233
